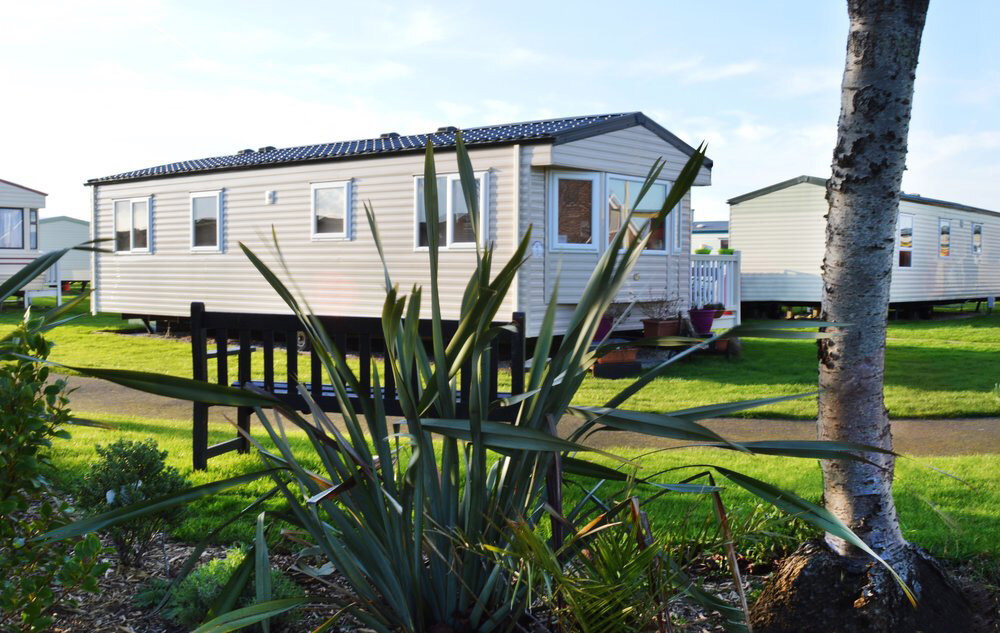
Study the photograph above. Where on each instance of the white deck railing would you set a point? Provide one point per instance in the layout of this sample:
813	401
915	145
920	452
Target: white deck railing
716	279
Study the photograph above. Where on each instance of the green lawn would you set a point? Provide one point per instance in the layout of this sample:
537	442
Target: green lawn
923	495
936	369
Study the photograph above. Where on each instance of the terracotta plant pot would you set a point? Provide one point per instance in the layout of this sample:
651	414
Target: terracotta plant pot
655	328
702	320
626	355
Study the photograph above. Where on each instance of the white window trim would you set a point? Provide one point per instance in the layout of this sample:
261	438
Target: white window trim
668	230
131	214
899	238
220	215
676	218
598	237
982	235
484	214
951	245
346	234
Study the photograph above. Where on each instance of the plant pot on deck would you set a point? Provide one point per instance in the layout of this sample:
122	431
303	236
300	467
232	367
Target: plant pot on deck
625	355
657	328
701	320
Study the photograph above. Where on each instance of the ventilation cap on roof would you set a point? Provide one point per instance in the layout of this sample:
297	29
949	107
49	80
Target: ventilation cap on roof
389	135
447	128
243	152
266	149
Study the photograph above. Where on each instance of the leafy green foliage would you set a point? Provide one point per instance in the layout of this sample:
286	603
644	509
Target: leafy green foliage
128	472
194	596
34	576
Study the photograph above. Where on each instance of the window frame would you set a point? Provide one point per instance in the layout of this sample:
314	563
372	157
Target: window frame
131	229
32	229
899	238
942	222
598	239
220	215
668	237
347	233
21	247
484	212
977	253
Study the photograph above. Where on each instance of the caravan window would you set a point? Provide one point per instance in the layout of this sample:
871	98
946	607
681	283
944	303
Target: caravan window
33	229
455	219
331	210
206	221
944	238
132	222
905	240
11	228
574	211
622	193
977	239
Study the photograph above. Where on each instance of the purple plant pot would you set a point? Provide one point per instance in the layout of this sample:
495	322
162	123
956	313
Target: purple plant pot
702	320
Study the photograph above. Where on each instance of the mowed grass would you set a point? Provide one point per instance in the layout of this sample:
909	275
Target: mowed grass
934	369
949	518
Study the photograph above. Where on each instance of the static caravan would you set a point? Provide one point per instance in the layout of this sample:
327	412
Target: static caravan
19	207
945	252
712	235
176	227
62	232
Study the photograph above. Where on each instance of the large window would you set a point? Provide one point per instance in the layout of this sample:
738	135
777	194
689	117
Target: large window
33	229
206	221
575	207
11	228
944	238
977	239
905	240
331	210
132	222
622	194
455	223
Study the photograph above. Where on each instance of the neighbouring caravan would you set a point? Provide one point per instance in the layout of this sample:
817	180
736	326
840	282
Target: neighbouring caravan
176	227
62	232
19	207
710	234
944	251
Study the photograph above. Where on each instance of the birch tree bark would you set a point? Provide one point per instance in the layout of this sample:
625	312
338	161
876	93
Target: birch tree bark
863	193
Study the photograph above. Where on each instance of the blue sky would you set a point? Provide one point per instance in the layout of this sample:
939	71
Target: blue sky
101	87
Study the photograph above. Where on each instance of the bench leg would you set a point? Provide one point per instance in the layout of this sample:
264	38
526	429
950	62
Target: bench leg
199	436
243	421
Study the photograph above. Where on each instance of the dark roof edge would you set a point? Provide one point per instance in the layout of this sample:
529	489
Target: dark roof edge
621	123
785	184
63	217
326	159
821	182
14	184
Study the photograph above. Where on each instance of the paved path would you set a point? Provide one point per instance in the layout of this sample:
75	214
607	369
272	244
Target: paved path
912	437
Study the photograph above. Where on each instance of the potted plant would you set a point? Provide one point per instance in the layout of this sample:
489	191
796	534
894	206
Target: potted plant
623	355
661	317
703	316
726	251
702	251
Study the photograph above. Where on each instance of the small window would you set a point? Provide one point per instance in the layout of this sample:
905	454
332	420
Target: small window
33	229
11	228
132	222
455	224
574	211
206	221
944	239
331	210
677	224
977	239
905	240
723	242
622	193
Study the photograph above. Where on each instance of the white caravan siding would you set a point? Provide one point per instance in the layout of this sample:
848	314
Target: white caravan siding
337	277
781	237
12	260
63	232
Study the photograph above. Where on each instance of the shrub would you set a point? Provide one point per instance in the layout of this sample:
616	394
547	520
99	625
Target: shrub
35	576
702	251
128	472
726	251
194	596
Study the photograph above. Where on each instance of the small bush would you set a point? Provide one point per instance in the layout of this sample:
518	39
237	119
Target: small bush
702	251
726	251
129	472
193	597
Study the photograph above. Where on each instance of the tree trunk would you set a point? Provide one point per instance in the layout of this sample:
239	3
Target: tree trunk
863	193
834	587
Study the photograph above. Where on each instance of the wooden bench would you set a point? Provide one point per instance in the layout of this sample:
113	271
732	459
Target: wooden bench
359	335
